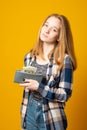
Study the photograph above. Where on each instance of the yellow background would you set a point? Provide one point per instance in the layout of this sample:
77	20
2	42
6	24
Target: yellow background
19	24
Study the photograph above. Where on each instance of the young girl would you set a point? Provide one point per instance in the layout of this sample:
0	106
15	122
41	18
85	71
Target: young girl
53	56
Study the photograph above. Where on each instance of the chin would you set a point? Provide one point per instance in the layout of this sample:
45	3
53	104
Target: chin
43	39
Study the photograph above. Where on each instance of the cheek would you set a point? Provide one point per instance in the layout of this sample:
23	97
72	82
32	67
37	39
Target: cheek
42	29
40	35
54	36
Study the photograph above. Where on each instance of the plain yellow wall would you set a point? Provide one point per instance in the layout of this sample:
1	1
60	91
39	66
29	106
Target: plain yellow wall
19	24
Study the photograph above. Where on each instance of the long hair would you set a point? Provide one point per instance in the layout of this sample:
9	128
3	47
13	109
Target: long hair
63	45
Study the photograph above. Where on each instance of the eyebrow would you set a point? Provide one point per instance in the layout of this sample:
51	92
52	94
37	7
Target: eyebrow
53	26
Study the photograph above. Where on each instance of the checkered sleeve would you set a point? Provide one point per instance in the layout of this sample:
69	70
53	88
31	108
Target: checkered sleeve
64	87
27	60
64	90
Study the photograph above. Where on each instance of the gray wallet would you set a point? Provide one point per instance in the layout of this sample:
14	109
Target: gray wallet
21	75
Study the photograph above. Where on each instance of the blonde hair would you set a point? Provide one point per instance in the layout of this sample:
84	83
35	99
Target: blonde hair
62	46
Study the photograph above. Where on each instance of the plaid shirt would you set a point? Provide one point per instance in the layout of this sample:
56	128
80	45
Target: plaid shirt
55	94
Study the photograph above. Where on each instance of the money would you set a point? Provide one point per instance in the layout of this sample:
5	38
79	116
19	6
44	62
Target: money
30	69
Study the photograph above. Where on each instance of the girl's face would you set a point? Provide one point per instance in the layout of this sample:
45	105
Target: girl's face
50	30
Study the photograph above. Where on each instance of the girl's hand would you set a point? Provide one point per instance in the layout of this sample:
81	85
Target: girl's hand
30	84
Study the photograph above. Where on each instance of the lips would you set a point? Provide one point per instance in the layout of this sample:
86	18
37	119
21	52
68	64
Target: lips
44	35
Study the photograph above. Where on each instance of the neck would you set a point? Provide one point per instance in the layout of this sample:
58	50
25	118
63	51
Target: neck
47	47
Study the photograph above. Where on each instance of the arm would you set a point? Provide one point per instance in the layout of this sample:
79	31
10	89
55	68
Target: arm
64	89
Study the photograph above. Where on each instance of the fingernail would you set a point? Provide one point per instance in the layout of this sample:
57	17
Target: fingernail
23	79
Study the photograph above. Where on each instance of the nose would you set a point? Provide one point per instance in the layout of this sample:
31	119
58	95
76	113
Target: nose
47	30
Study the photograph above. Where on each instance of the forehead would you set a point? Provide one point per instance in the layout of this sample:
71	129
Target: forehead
53	21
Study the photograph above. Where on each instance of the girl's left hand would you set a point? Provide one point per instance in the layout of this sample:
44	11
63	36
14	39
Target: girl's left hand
30	84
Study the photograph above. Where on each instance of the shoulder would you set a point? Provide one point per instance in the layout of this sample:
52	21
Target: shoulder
67	61
28	55
67	58
27	59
